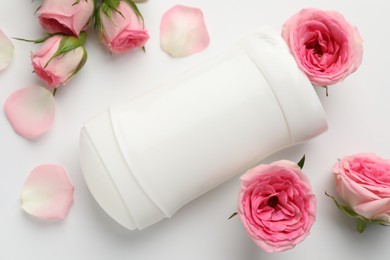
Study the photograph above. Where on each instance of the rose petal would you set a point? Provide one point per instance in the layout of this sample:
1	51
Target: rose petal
373	209
30	111
183	31
47	192
6	51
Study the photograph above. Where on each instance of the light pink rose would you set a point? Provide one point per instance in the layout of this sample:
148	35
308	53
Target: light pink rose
58	68
276	205
363	182
122	29
325	46
66	16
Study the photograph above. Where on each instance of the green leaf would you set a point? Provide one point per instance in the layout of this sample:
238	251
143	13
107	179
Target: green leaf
301	162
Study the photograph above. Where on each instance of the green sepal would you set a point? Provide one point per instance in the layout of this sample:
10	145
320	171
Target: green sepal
135	9
81	64
233	215
113	4
361	221
67	44
301	162
360	225
35	41
107	7
98	22
78	1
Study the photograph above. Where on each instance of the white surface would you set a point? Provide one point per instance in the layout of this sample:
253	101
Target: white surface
358	117
162	149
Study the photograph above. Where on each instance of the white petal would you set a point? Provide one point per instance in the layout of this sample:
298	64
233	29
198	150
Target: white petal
30	111
6	51
47	192
183	31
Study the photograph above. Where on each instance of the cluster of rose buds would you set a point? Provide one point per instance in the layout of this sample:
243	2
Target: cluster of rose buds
118	22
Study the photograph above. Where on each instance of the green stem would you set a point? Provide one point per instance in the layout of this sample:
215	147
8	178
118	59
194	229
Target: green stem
54	92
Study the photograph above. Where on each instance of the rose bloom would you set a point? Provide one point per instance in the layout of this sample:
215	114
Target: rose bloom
58	70
325	46
276	205
64	16
124	30
363	182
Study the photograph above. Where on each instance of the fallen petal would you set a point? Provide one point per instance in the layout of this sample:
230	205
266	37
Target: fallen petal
6	51
183	31
47	192
30	111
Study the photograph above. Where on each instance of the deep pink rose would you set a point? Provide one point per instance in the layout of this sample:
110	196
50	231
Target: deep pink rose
121	30
363	182
66	16
57	70
276	205
325	46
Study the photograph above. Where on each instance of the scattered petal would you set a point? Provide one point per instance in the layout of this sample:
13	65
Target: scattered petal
30	111
6	51
183	31
47	192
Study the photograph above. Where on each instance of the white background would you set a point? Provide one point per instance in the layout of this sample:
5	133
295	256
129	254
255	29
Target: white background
357	111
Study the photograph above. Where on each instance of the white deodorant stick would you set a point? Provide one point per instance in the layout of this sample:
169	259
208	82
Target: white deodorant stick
144	159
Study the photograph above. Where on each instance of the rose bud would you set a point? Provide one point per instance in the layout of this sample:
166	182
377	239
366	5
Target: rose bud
363	183
120	26
66	16
276	205
325	46
59	59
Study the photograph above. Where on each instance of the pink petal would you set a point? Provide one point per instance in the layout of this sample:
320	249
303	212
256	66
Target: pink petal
47	192
183	31
30	111
6	51
373	209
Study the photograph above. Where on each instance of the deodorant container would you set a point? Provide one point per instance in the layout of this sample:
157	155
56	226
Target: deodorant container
144	159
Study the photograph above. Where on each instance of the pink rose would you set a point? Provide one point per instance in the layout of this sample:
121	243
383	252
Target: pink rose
121	29
57	66
363	182
325	46
66	16
276	205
